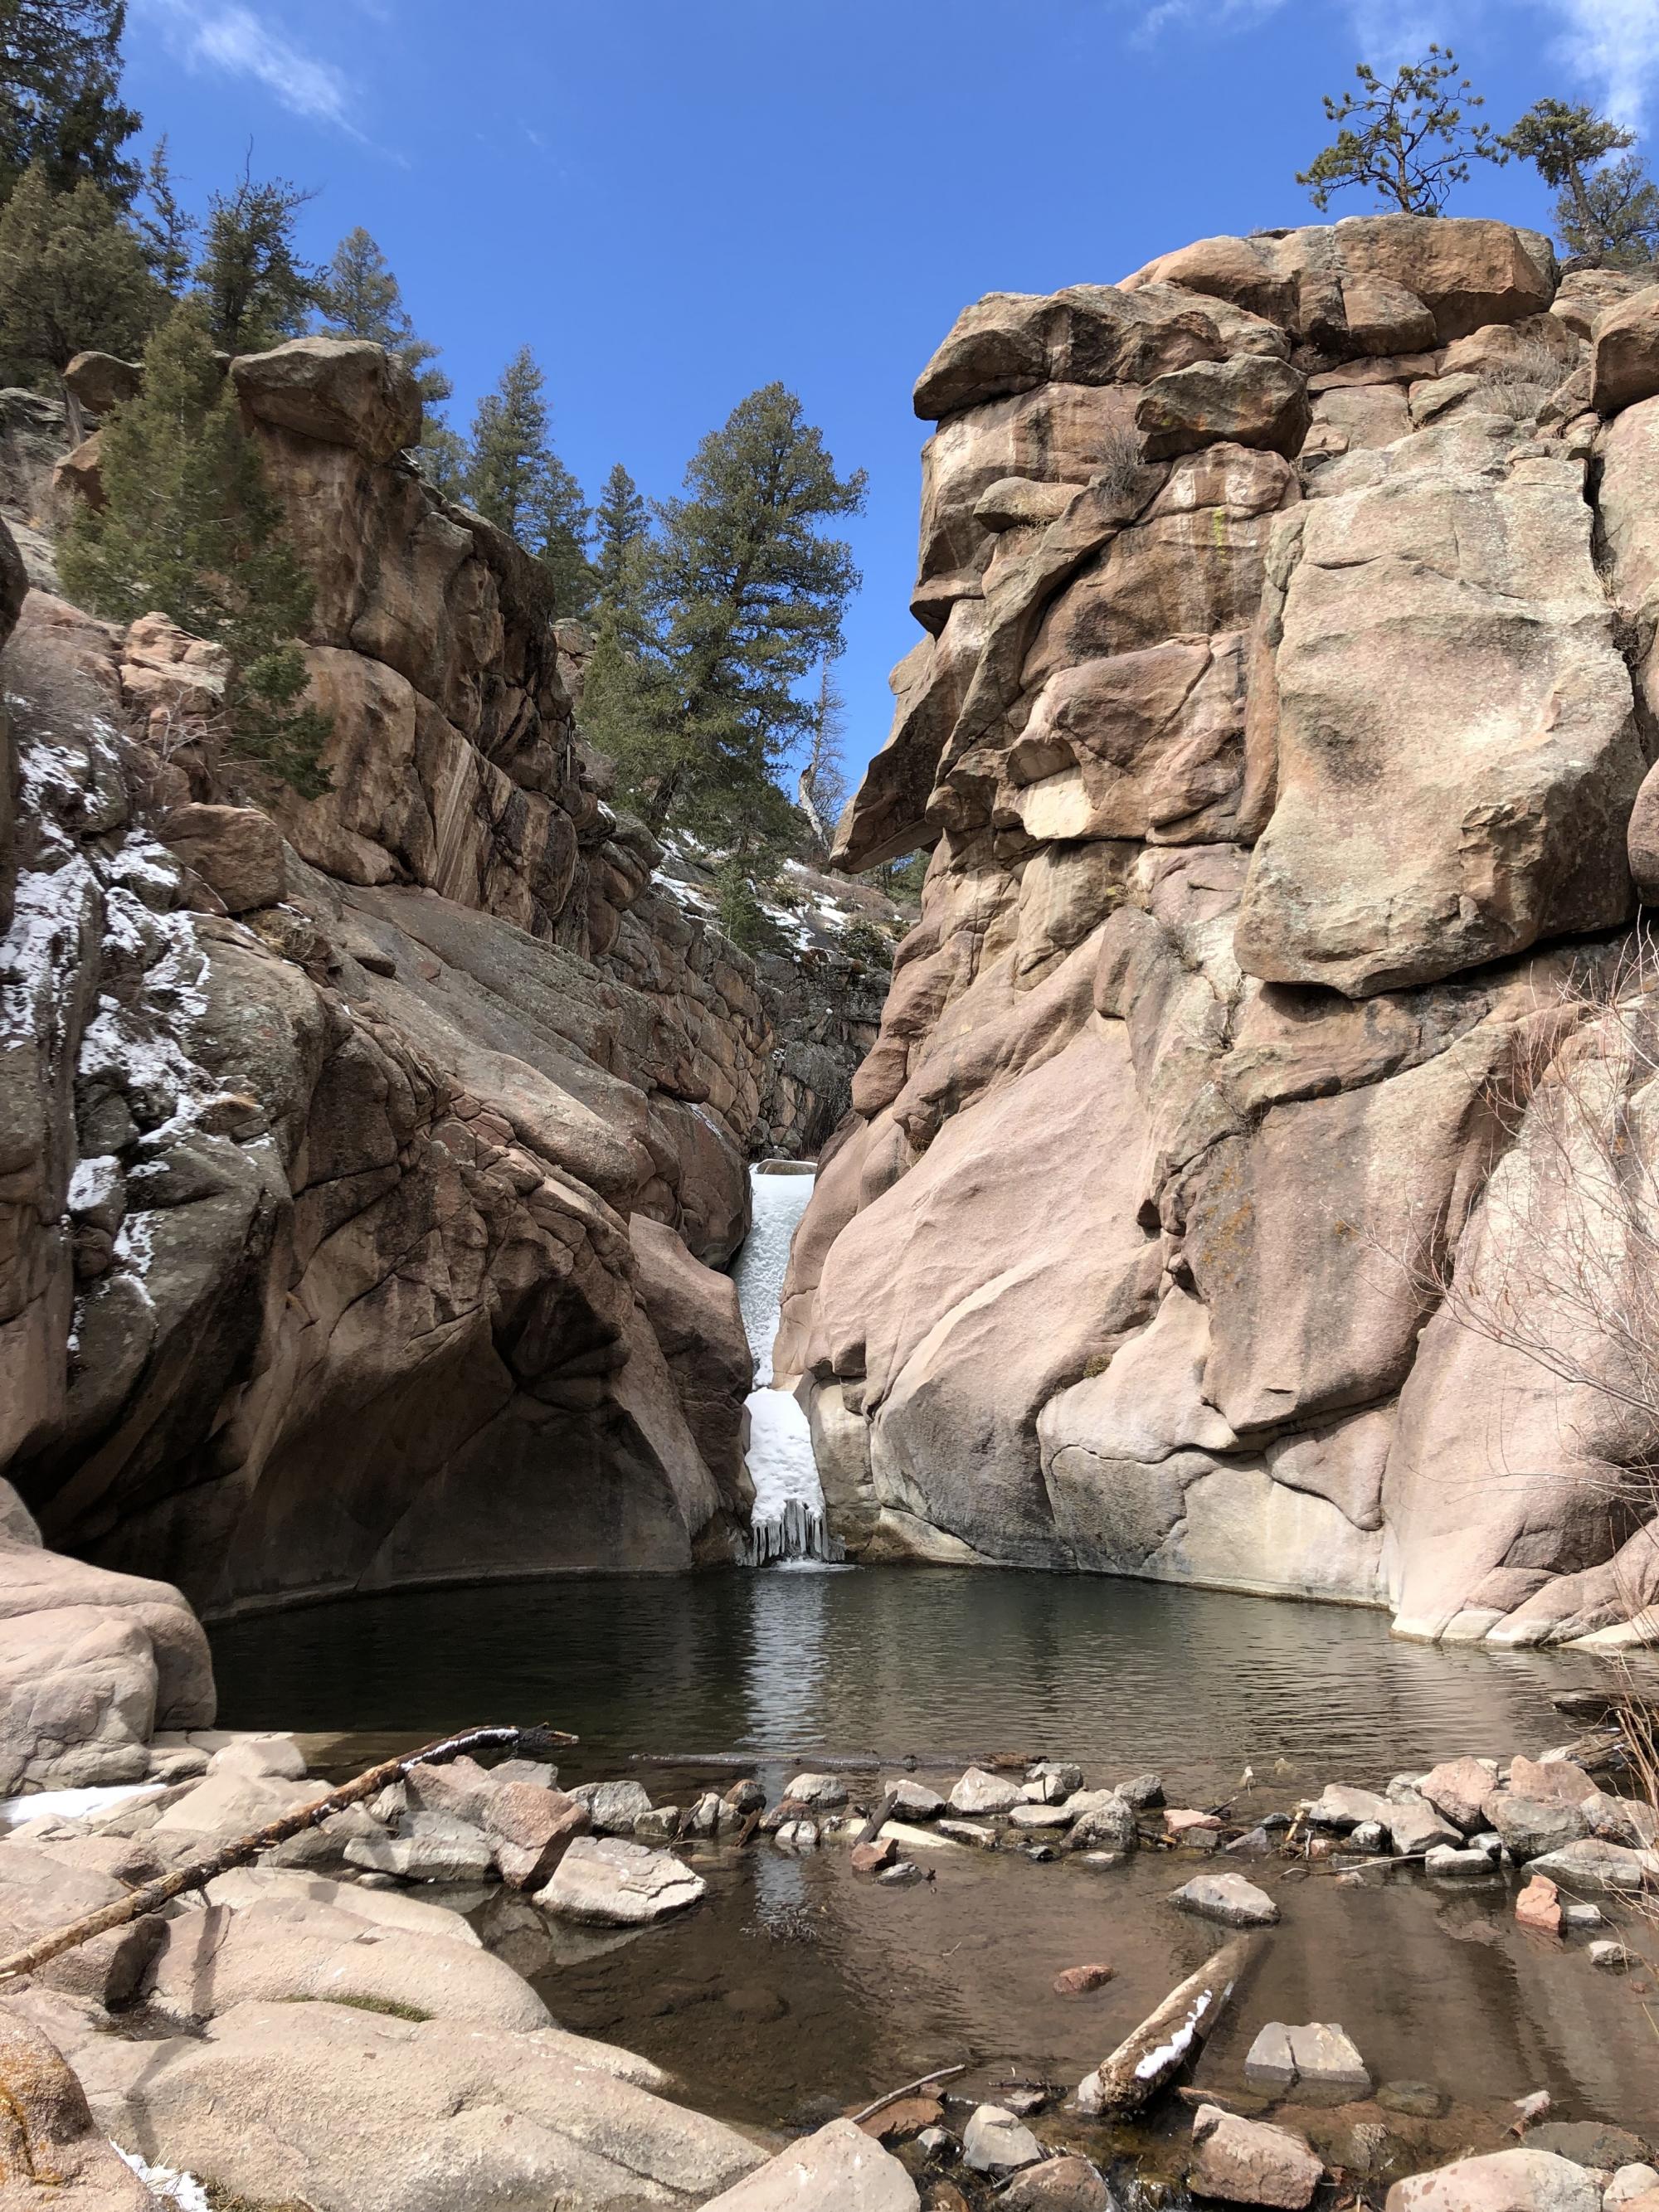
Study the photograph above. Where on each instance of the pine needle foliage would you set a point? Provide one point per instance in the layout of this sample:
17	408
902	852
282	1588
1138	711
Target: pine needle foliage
189	529
1606	212
515	480
359	297
60	109
168	232
1407	140
255	290
71	276
746	593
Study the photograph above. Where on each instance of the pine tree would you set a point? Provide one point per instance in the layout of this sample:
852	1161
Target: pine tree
443	458
189	528
168	232
506	466
71	277
360	298
562	524
515	480
1413	144
748	595
1607	215
60	67
256	289
620	530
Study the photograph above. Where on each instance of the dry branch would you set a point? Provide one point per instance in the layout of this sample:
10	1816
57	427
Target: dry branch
528	1742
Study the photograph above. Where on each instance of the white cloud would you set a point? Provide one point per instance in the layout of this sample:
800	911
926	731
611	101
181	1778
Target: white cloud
228	36
1613	47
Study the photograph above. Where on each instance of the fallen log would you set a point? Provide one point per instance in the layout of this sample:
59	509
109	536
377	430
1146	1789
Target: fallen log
521	1743
1167	2040
878	1820
926	2081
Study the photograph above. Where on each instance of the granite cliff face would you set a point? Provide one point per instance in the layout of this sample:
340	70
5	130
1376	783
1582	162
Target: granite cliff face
365	1164
1280	731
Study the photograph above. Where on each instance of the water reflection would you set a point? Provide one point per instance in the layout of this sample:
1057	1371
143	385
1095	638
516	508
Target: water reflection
933	1664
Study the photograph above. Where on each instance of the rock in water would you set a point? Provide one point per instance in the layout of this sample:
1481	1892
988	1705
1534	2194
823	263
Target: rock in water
1244	2162
1167	2040
839	2169
1227	1898
994	2142
1507	2181
979	1792
611	1883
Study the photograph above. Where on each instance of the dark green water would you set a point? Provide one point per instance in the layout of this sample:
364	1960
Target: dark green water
795	1981
929	1662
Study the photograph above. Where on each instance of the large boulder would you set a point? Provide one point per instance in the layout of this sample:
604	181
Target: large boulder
51	2150
1506	2181
270	2106
838	2169
1624	354
1250	400
345	392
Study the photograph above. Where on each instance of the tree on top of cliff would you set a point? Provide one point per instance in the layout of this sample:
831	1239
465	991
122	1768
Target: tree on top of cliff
1607	212
71	276
1411	143
255	288
515	480
60	63
746	596
359	297
189	529
167	230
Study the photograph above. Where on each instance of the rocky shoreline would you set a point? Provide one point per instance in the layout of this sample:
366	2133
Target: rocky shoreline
226	2037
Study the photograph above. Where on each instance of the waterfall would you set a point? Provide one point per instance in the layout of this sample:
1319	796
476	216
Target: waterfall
787	1521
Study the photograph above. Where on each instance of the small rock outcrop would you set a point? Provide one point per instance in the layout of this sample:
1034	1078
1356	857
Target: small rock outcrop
1281	736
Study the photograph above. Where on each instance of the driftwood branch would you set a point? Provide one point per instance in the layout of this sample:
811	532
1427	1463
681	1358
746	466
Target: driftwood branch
926	2081
526	1742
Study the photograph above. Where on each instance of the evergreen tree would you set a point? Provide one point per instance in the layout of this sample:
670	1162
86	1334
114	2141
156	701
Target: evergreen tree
442	459
60	67
167	233
1413	144
508	459
515	480
360	298
189	528
71	277
256	289
620	529
562	524
747	594
1607	215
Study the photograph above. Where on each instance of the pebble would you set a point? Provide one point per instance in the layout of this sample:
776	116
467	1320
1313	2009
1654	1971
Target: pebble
1078	1981
798	1835
1144	1792
1060	1771
902	1872
1370	1836
1183	1822
938	2143
1041	1854
1583	1916
1614	1957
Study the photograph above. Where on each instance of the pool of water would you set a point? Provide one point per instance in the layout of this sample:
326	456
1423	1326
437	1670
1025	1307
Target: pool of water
797	1986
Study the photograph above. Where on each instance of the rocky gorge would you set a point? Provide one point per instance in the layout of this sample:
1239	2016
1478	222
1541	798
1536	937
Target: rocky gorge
1282	734
371	1162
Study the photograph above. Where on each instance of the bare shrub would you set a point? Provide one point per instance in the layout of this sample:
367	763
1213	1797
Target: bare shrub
1519	387
1119	470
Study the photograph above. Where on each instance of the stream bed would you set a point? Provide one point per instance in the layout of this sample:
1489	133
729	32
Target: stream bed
797	1987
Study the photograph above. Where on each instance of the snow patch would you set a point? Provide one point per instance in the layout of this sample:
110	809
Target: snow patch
172	2188
73	1804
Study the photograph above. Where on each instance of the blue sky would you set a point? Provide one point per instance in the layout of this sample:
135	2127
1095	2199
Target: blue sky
675	200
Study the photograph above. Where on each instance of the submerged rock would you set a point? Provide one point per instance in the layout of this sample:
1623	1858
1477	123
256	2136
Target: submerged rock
994	2142
1227	1898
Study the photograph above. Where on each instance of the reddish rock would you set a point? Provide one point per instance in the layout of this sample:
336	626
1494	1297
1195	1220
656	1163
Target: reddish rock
909	2117
1078	1981
1539	1907
869	1858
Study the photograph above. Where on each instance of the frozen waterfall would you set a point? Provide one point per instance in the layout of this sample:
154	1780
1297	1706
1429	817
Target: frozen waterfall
787	1521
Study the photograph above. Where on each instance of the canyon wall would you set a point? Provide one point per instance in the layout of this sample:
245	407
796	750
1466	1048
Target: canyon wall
365	1161
1280	731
